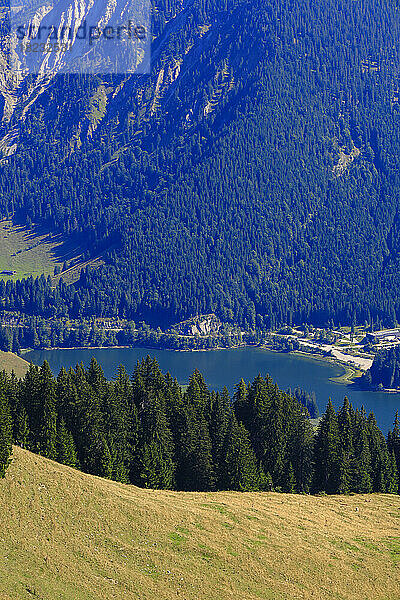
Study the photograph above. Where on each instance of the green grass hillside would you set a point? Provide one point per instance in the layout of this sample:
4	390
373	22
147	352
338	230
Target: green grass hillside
34	252
69	536
26	253
12	362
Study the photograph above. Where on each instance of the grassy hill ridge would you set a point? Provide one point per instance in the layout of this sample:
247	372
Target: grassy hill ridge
12	362
71	536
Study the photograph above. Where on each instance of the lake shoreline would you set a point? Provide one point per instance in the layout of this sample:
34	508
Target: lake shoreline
323	375
217	348
351	376
348	377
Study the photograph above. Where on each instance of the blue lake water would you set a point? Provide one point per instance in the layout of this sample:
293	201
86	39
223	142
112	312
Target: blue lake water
227	367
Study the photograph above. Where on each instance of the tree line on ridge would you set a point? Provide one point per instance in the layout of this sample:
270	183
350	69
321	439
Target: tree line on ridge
147	431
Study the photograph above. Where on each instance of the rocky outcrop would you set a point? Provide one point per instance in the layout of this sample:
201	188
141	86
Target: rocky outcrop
200	325
27	70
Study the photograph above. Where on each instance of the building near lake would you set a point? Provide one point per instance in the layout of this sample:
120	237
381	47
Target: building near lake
384	335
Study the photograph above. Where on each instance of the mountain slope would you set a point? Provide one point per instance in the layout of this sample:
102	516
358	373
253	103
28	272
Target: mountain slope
72	536
253	174
12	362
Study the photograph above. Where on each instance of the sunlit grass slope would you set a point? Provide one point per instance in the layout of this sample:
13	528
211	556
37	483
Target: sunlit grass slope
25	252
67	535
34	252
12	362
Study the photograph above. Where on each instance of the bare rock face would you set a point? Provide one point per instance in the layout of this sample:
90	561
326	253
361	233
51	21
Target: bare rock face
199	325
143	92
41	40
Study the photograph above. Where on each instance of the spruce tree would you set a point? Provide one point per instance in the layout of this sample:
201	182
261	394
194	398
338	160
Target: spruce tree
301	450
30	401
361	467
21	426
345	448
195	470
96	379
242	406
18	412
101	463
264	480
239	470
326	453
46	442
289	483
381	471
119	414
157	465
87	425
220	411
393	442
197	392
147	382
393	480
272	427
5	434
66	451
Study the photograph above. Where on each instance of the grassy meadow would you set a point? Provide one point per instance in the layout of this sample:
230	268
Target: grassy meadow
11	362
25	252
72	536
33	252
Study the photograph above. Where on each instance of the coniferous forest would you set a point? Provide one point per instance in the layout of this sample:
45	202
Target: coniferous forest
145	430
253	174
385	370
244	193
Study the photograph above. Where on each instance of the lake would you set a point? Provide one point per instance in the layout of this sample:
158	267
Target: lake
227	367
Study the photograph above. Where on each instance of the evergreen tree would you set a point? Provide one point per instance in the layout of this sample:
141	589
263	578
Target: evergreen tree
197	392
239	469
393	442
381	471
5	434
242	406
21	433
87	426
393	482
97	380
47	439
18	413
66	451
273	430
147	382
195	470
345	448
301	451
326	453
30	402
157	450
289	483
120	415
264	480
361	467
220	412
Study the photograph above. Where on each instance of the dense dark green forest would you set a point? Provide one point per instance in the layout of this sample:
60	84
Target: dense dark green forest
307	399
385	370
145	430
253	174
37	332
